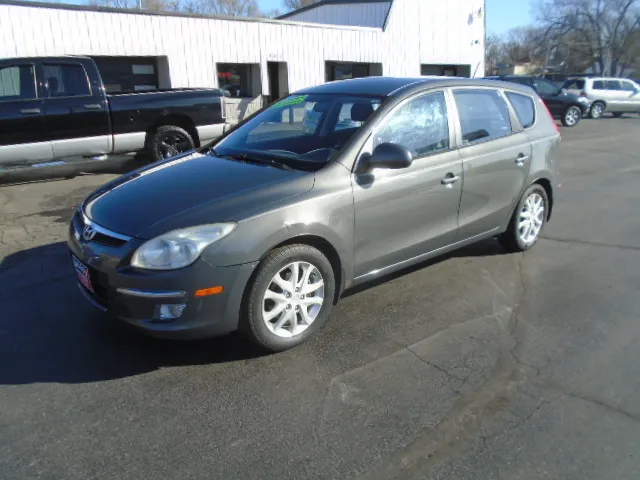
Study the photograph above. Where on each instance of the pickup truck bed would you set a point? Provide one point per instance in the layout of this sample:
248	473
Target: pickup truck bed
56	120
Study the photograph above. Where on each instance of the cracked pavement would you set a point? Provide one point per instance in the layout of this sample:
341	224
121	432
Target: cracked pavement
480	365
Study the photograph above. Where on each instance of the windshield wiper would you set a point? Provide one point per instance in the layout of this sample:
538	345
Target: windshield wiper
252	159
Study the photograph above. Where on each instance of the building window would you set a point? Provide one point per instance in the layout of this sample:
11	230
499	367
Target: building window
445	70
128	74
347	70
239	79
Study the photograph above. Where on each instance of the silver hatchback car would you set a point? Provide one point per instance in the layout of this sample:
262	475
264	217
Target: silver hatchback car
262	230
615	95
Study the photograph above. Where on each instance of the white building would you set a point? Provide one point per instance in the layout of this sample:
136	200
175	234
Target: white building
252	58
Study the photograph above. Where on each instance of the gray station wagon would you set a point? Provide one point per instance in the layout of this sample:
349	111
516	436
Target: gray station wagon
262	230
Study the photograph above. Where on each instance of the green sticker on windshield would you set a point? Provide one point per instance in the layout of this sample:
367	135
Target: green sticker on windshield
288	102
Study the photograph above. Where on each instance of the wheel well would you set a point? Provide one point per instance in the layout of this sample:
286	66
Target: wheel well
327	249
181	121
600	101
546	184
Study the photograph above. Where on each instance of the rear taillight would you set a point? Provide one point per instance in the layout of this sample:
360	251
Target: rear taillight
553	120
583	94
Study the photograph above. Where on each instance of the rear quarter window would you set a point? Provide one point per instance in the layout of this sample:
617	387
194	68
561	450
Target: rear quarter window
524	107
484	115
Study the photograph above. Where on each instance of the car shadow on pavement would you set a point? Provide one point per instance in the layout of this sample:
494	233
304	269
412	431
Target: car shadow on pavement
486	248
50	333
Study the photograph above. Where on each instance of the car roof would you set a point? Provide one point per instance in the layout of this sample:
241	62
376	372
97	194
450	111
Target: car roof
391	86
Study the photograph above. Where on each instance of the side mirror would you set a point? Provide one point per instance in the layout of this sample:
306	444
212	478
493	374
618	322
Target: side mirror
389	155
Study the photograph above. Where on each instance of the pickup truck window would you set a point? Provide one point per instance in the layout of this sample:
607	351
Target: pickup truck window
66	80
17	82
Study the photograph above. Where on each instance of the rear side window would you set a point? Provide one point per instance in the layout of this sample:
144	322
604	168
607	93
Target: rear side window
598	85
17	82
483	115
574	85
66	80
628	86
612	85
524	107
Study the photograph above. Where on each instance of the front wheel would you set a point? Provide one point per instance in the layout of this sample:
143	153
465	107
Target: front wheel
527	221
572	116
290	297
169	141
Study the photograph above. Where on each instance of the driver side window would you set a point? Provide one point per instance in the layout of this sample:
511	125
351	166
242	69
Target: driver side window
421	125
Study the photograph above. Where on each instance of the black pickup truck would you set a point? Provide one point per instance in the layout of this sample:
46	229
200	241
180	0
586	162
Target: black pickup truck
57	120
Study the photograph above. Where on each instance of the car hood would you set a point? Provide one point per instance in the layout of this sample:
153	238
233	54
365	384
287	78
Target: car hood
190	190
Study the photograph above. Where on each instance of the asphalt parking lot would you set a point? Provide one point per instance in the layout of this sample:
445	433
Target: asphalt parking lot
480	365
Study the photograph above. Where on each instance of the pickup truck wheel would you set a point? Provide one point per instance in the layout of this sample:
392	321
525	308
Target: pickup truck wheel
289	298
528	220
169	141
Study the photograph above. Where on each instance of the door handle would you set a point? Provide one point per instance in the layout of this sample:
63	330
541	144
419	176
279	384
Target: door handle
93	106
30	111
521	159
450	179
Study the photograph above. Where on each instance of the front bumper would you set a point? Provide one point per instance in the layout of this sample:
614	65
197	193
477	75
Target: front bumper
133	296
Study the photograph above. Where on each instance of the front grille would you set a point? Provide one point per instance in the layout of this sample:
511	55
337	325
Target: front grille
107	240
102	236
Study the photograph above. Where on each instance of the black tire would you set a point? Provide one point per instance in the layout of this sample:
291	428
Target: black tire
511	238
252	322
617	114
572	116
169	141
596	112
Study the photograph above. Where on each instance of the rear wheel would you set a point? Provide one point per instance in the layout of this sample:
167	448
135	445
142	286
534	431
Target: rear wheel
290	297
597	109
572	116
528	220
169	141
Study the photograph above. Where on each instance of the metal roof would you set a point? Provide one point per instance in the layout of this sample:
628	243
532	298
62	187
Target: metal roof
320	3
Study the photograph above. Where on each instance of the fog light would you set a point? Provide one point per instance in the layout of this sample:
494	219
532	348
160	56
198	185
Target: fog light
169	311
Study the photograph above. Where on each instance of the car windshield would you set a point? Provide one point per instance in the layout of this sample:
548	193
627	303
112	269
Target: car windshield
300	131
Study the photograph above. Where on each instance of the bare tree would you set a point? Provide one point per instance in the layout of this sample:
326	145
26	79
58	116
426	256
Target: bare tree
295	4
494	53
603	32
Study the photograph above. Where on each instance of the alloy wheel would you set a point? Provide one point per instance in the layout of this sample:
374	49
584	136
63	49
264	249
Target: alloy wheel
173	144
293	299
596	111
531	218
572	117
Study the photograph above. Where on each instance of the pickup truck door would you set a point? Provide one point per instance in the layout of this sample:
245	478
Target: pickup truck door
76	111
22	136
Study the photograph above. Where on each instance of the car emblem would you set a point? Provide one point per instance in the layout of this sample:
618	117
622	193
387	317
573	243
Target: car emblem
88	233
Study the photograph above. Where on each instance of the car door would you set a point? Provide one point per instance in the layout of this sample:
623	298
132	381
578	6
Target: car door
76	116
495	154
614	96
551	95
631	96
402	214
22	137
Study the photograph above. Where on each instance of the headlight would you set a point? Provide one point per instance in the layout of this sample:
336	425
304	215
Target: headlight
179	248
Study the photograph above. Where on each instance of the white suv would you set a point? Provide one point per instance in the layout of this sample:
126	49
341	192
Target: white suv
615	95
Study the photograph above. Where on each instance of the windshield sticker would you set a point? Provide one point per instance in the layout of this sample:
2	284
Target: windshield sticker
288	102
